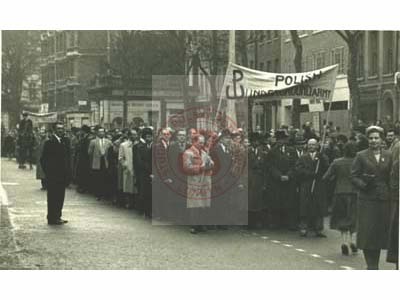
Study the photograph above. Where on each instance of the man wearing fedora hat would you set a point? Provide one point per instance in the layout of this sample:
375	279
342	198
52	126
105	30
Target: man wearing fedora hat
281	161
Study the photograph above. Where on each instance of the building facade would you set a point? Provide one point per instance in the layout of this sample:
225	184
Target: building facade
378	62
264	52
70	60
321	48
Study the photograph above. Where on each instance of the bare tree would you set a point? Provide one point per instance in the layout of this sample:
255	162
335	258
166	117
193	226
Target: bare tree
298	46
351	37
20	53
137	55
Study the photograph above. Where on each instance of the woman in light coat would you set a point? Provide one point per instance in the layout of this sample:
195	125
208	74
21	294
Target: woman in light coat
125	158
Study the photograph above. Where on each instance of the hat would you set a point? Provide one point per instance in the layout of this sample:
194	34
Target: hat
254	136
225	132
147	131
374	128
85	128
299	140
281	134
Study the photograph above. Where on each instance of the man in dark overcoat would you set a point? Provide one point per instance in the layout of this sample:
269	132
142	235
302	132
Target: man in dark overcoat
83	160
178	176
144	159
55	162
256	182
162	193
312	189
222	181
281	162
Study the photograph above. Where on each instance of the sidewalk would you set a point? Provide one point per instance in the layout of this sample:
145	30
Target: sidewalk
8	249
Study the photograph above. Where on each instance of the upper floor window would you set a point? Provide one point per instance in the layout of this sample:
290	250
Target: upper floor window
360	57
319	60
276	66
373	53
269	66
388	45
338	58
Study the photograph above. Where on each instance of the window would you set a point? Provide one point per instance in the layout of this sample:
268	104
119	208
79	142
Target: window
319	60
276	66
252	64
360	58
261	68
373	53
268	66
310	63
338	58
268	35
276	33
388	42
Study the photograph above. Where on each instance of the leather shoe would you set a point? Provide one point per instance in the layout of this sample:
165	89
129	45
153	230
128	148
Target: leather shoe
353	248
63	221
320	235
58	222
303	233
345	249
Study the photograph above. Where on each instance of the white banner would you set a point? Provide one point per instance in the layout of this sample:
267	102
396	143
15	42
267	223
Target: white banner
243	83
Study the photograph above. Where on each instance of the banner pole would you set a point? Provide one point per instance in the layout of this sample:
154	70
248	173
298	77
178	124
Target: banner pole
321	148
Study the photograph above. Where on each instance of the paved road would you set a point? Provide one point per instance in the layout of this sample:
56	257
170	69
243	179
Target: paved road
101	236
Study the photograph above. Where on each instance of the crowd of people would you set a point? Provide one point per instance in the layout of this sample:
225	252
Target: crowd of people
283	179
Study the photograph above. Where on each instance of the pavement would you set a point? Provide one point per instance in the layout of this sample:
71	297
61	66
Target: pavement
103	237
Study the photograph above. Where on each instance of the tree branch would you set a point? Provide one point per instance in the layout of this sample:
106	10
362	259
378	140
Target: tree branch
345	38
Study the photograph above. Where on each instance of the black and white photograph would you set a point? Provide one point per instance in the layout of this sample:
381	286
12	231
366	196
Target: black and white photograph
257	148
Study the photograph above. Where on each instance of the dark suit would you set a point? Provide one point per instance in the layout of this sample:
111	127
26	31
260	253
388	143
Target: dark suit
83	164
222	184
179	178
312	205
283	204
144	159
55	162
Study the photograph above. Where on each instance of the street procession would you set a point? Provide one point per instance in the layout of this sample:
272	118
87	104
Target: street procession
248	148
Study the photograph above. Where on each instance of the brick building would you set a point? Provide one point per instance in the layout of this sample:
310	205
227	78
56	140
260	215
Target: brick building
70	60
321	48
264	50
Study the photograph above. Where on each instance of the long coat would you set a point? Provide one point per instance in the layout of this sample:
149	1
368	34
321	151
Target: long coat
371	178
256	180
344	209
83	163
94	152
312	204
339	172
282	162
55	160
126	159
144	159
393	247
39	150
198	180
